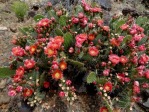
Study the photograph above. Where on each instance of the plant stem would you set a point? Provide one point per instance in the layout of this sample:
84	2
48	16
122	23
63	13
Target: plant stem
110	107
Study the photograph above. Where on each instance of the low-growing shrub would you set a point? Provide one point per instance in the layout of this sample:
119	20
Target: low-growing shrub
66	51
20	9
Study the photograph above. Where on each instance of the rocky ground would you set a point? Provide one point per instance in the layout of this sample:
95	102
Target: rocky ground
4	98
9	26
84	103
16	104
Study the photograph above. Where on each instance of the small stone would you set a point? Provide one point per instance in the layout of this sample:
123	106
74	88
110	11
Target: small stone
19	104
145	3
3	83
107	17
35	7
93	106
146	103
105	4
13	29
35	2
9	80
130	11
3	28
23	107
31	13
4	98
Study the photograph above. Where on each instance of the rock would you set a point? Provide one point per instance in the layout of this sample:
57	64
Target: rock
146	97
107	17
105	4
13	29
35	2
31	13
146	3
6	8
81	89
142	107
4	98
3	28
66	3
23	107
35	7
146	13
146	103
9	80
132	12
3	83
